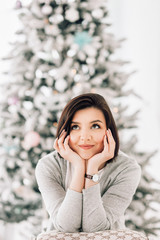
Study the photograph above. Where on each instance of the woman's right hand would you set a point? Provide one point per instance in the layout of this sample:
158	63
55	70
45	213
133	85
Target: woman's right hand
61	144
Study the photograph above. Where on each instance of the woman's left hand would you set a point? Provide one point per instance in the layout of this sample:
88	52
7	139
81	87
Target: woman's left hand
99	159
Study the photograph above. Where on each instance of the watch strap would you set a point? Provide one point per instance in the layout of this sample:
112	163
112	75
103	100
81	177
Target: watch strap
88	176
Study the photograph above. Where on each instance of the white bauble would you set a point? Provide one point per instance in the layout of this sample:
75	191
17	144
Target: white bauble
77	89
97	13
90	50
56	19
72	15
46	9
61	85
52	30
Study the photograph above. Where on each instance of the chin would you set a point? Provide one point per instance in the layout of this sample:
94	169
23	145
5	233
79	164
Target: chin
86	156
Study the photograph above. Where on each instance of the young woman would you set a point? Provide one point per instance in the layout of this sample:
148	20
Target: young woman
87	183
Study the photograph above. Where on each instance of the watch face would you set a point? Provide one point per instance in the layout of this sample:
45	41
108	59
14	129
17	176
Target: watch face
95	178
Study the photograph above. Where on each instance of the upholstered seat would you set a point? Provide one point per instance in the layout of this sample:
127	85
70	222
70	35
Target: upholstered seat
103	235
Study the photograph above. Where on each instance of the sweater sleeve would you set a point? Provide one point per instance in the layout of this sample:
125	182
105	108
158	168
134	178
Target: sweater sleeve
64	208
101	212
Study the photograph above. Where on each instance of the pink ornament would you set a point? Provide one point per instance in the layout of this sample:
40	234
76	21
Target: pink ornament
31	139
13	100
18	4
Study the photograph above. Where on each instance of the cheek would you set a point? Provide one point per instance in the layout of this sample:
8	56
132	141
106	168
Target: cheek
72	137
99	138
72	141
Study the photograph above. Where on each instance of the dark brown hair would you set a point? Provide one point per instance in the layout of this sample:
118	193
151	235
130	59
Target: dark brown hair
88	100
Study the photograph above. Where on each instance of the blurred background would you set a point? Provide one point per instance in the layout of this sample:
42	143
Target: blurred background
137	23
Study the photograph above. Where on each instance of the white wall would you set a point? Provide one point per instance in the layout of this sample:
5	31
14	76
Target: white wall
8	26
139	22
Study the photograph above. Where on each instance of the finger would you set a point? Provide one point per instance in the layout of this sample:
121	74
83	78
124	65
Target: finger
111	142
61	141
108	139
61	133
111	138
66	143
105	142
55	145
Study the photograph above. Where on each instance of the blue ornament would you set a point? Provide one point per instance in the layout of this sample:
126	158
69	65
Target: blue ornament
10	148
82	38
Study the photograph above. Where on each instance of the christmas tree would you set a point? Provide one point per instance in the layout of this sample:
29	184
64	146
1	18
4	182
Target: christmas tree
64	48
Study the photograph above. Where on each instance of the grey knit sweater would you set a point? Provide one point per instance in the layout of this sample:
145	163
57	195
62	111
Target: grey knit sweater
100	207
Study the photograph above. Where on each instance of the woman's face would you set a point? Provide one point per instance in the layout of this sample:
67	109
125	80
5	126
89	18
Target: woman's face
88	128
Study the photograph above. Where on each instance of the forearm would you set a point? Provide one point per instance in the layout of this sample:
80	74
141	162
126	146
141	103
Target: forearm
94	215
69	215
90	169
77	182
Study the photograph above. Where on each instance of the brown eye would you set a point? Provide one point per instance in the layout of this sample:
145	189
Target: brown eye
95	126
74	127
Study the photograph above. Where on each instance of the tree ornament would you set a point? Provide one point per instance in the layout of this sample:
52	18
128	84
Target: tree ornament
18	4
82	38
13	100
46	9
77	89
52	30
72	15
11	149
90	50
28	105
31	139
98	13
61	85
56	19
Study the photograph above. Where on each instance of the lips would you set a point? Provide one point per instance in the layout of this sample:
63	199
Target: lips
86	147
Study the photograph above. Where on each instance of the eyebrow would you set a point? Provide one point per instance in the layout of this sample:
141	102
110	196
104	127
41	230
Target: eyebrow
90	122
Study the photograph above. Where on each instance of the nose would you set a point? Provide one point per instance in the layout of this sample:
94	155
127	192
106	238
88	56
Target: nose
85	135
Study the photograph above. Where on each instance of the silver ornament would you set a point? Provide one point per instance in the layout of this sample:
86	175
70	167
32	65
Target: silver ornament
46	9
72	15
52	30
97	13
27	105
90	50
56	19
61	85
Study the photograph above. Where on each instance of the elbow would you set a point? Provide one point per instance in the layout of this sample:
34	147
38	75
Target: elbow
90	228
64	226
66	229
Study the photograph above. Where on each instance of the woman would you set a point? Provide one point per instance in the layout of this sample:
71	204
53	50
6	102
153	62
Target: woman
87	183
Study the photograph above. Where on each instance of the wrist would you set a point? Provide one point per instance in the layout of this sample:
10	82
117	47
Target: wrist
95	177
79	167
92	171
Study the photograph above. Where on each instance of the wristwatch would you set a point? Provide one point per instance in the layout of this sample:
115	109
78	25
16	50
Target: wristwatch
94	177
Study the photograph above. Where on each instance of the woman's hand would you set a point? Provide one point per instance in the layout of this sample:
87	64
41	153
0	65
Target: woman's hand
63	148
98	160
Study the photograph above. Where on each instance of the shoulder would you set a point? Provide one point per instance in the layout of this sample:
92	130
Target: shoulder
124	160
50	164
124	165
